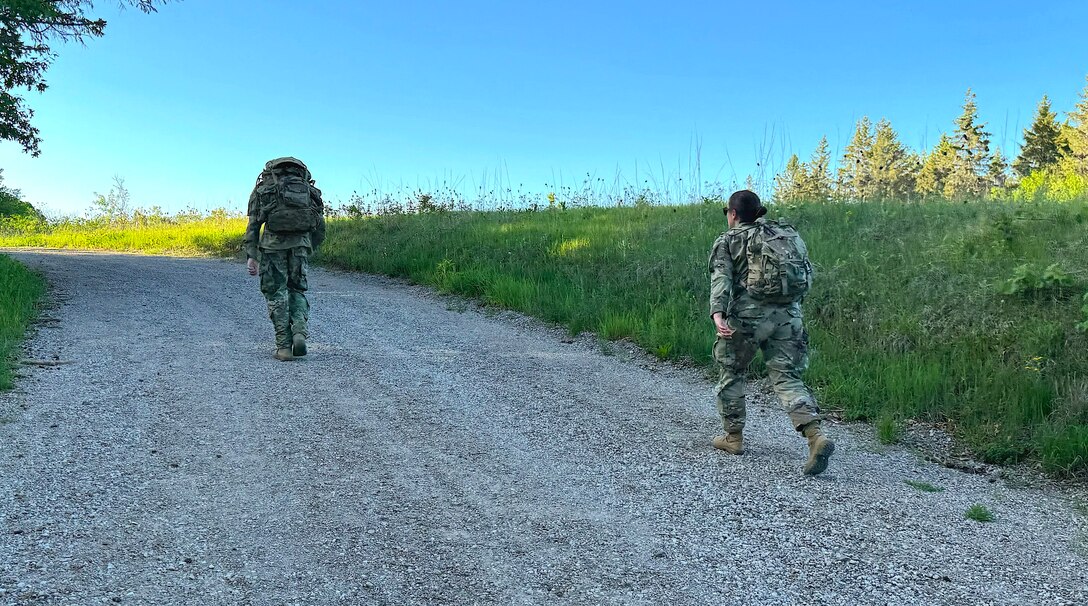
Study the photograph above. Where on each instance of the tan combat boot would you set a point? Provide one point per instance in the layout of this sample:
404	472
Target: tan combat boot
732	442
820	449
283	354
298	345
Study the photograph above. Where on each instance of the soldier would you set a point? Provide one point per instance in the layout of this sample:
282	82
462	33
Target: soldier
286	202
759	272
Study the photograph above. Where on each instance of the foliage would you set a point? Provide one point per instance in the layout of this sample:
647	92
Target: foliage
971	143
218	233
27	28
893	168
923	486
114	205
1083	325
787	183
979	513
12	205
997	173
1063	182
809	181
888	431
1075	131
855	174
1027	279
1043	145
936	166
20	290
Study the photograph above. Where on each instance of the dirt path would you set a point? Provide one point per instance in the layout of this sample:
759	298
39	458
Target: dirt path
426	455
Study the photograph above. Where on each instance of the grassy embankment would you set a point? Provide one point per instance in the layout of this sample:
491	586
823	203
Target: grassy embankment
907	318
20	290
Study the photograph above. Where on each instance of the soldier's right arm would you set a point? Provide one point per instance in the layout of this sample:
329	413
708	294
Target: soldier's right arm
253	228
721	276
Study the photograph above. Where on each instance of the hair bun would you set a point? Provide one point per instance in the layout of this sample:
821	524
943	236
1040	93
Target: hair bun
762	211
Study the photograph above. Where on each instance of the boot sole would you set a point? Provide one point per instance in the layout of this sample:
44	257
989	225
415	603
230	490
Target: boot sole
298	346
820	464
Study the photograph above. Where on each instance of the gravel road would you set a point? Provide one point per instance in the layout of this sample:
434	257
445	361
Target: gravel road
427	452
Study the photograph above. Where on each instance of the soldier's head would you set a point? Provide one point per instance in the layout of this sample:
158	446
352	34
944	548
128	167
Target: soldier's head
744	207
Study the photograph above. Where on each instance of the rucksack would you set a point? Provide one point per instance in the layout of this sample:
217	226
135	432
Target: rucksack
287	204
779	270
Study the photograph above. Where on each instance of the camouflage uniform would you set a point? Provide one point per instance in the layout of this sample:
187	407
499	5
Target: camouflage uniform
283	260
777	329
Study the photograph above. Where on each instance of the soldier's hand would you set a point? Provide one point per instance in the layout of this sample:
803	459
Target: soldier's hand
251	265
724	329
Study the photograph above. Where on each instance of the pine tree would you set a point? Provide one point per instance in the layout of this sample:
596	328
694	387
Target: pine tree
1043	145
1076	132
853	173
786	183
816	185
892	169
997	173
936	166
972	145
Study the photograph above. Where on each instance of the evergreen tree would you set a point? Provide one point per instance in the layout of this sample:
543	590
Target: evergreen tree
854	174
891	168
936	167
1076	132
1043	145
972	146
997	174
786	183
816	185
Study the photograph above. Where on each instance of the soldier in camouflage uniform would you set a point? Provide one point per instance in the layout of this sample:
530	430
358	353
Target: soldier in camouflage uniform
746	323
281	257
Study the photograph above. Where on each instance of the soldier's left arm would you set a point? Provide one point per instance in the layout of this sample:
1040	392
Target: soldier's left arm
721	276
253	228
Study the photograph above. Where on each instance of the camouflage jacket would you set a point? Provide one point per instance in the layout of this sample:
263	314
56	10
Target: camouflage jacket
728	267
256	239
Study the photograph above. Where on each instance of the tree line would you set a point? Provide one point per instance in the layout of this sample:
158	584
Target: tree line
875	165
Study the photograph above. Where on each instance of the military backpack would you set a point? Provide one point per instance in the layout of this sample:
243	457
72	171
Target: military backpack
287	203
779	270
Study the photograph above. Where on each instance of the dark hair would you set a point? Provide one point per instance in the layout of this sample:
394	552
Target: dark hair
747	205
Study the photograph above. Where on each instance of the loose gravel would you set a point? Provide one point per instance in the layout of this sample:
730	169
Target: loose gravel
429	452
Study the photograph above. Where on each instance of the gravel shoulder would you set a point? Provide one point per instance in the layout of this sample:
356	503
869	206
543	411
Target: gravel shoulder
428	452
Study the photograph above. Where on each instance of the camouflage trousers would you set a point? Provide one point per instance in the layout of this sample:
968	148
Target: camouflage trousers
781	335
283	282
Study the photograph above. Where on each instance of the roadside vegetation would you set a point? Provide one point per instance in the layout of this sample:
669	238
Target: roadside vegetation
20	289
112	225
184	234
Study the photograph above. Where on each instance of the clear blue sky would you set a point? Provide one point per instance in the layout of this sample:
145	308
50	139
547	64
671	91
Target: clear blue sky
187	104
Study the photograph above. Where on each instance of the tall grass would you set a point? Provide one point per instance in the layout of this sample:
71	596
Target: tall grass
20	290
191	235
907	318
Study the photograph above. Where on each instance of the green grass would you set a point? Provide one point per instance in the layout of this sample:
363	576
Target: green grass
20	290
188	235
888	430
907	318
923	486
979	513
